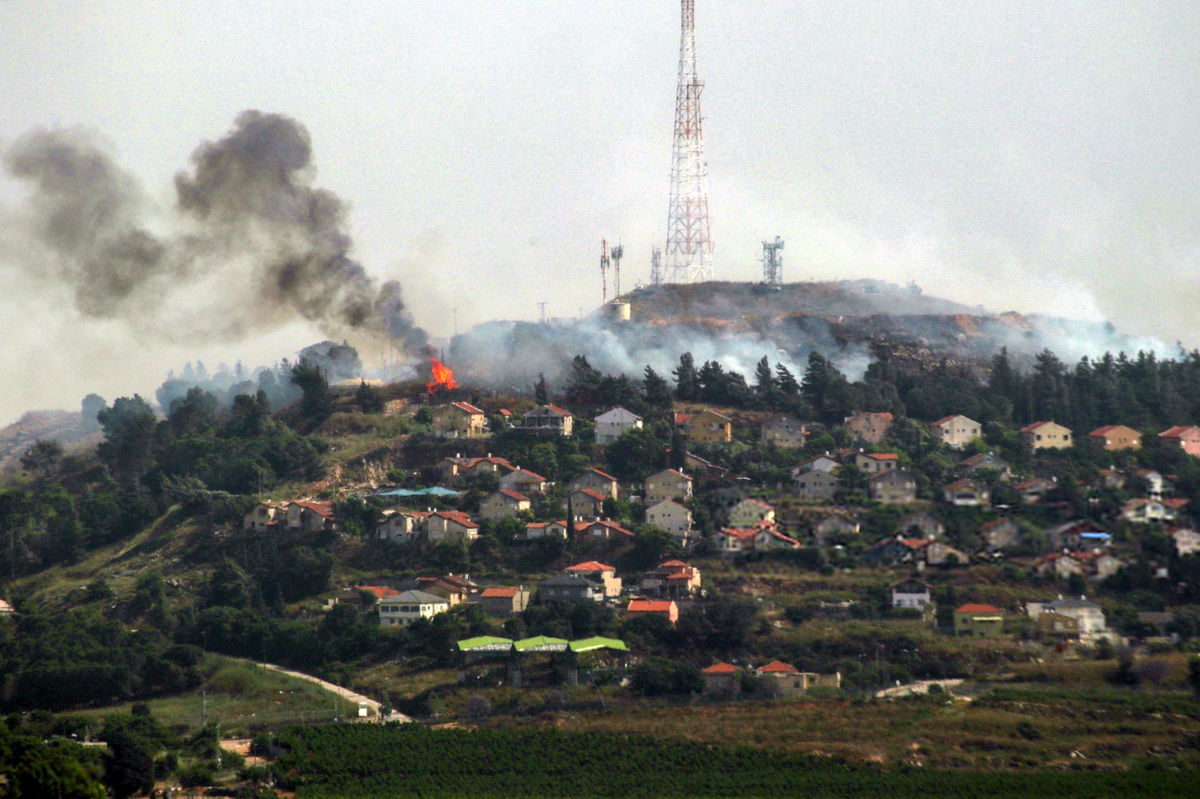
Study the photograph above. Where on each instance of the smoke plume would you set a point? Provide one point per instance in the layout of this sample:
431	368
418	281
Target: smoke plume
250	244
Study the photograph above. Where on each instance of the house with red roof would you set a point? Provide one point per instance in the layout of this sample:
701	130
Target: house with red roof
673	579
790	681
525	481
400	525
310	516
600	573
722	680
956	431
264	515
504	504
872	463
607	530
459	420
450	525
1186	437
966	493
548	420
750	512
666	608
978	619
762	537
1046	435
556	529
1116	437
868	427
502	601
586	503
595	480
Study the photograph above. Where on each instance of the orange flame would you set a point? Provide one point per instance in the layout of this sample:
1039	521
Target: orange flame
443	378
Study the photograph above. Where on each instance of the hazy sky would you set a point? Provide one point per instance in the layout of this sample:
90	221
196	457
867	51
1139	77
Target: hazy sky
1019	155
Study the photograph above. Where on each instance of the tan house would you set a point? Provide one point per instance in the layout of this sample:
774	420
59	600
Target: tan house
1046	435
894	487
502	601
784	431
976	619
458	467
400	525
524	481
1000	534
869	427
705	427
600	573
790	681
985	461
605	529
669	515
870	463
503	504
750	512
450	525
815	486
264	515
763	538
1187	437
552	529
667	484
455	588
548	420
1116	436
586	503
459	420
310	516
595	480
1187	541
956	431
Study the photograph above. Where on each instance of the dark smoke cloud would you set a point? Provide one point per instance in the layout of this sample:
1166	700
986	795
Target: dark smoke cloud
247	221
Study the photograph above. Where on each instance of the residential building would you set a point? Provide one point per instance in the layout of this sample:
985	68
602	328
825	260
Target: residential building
504	504
595	480
1187	437
1046	435
666	484
1078	534
1035	489
548	420
911	593
1144	510
1000	534
408	606
400	525
666	608
722	680
459	420
1092	565
553	529
868	427
1116	437
310	516
784	431
871	463
836	525
586	504
450	525
977	619
673	579
705	427
817	463
966	493
669	515
815	486
600	573
570	588
607	530
750	512
524	481
894	487
503	601
1187	541
264	515
454	588
985	461
956	431
615	423
923	524
1088	615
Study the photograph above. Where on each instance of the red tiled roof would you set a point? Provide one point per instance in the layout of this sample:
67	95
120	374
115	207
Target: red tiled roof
882	456
676	564
977	608
380	591
720	668
518	496
605	475
778	667
500	591
1031	427
1177	431
944	420
468	407
525	472
741	533
590	566
592	493
610	525
650	606
456	516
323	508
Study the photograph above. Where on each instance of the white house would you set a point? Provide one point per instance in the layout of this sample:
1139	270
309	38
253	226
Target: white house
406	607
911	594
613	424
669	515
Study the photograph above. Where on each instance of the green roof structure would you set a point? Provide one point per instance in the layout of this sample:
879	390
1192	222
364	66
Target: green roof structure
598	642
485	643
541	643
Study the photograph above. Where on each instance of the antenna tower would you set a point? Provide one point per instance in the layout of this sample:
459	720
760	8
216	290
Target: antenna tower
689	242
773	262
604	268
656	276
616	254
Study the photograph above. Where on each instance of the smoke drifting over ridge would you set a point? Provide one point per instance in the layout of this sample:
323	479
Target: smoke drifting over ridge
249	246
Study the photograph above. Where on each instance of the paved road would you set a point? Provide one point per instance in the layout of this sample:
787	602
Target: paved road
919	687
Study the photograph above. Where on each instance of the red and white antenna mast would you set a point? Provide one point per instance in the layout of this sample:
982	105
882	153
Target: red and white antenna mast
689	241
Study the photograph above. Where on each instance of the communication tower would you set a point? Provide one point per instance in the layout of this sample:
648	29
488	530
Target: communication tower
689	241
604	263
772	262
656	276
616	253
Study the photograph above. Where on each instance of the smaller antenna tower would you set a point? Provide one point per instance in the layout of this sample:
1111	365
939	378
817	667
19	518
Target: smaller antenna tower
542	309
616	253
772	262
656	277
604	263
